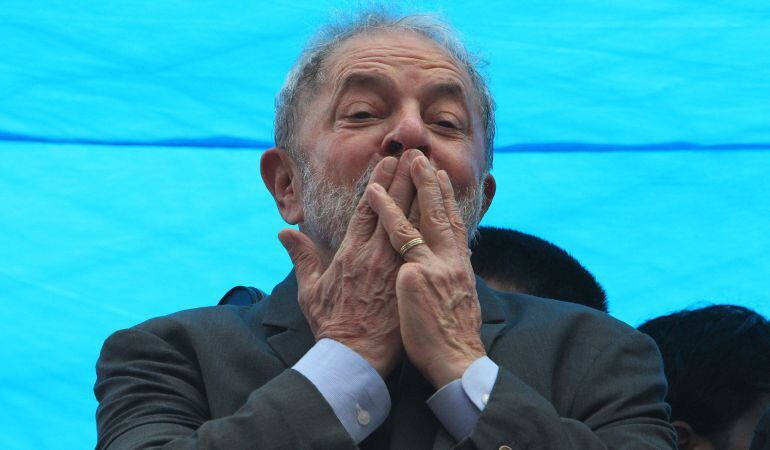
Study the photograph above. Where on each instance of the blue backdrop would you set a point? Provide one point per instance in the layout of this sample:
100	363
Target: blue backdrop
635	135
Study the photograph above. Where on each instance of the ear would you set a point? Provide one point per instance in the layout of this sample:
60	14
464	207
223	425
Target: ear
490	187
280	175
689	439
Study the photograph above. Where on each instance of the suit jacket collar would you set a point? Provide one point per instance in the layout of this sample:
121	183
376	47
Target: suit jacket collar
282	311
294	337
281	307
493	318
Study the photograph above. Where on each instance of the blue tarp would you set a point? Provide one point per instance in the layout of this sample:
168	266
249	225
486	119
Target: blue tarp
635	135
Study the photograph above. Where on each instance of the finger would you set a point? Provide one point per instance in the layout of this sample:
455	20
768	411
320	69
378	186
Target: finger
398	228
450	206
303	254
402	189
414	215
434	224
384	172
364	220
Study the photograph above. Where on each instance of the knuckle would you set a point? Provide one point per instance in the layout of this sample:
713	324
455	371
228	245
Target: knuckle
302	258
363	209
456	221
404	230
410	273
457	275
434	220
381	260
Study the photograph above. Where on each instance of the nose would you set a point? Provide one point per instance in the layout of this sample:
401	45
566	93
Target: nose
409	132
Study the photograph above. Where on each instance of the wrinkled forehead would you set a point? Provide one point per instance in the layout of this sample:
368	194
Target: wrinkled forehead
394	48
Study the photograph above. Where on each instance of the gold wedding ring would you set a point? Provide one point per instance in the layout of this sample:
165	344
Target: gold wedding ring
413	243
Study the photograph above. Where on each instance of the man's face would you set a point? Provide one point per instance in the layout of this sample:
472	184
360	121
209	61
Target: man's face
382	94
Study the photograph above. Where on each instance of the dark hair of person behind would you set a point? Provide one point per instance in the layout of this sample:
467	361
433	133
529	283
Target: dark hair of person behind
530	265
717	362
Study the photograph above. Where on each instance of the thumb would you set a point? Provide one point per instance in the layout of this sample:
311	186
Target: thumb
303	254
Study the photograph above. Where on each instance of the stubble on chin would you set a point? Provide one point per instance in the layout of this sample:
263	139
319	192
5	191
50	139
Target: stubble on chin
328	206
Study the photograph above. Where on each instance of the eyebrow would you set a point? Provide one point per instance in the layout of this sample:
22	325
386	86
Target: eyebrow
447	89
365	80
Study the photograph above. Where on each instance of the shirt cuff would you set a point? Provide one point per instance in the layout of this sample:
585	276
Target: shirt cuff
458	404
355	391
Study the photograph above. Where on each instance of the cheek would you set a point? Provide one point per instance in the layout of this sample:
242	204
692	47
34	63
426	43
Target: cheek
463	171
348	154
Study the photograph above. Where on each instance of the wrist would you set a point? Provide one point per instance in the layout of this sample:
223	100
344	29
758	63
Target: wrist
382	359
445	371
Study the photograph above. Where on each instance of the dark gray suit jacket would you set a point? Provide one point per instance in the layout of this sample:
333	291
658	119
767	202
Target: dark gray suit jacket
220	377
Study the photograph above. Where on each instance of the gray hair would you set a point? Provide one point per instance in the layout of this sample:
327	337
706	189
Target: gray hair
306	75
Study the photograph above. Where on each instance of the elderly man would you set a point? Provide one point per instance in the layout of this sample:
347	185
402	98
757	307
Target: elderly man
382	337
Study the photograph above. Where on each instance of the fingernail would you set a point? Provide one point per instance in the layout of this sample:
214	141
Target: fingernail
444	177
389	164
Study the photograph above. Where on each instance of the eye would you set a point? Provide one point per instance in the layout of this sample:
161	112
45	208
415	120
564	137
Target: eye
447	124
361	115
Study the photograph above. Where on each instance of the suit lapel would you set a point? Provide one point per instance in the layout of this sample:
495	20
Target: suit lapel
492	315
282	311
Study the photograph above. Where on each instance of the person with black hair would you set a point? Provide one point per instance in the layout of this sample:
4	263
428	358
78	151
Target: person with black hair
717	362
512	261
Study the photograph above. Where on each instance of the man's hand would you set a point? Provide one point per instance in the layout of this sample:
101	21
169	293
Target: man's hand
353	300
436	289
